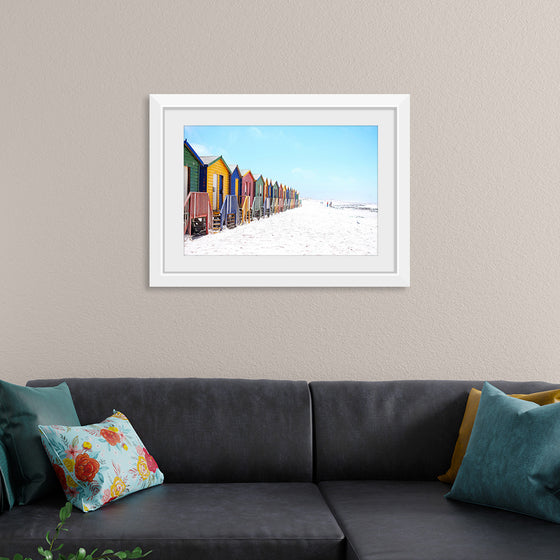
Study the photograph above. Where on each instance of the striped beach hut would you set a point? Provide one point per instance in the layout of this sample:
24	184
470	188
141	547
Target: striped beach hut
283	198
248	184
214	179
267	197
248	187
229	208
275	189
197	213
257	207
235	182
192	163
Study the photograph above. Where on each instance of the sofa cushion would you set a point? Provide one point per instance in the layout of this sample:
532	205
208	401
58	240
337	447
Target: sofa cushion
410	520
21	410
542	398
399	430
276	521
100	463
7	496
209	430
513	457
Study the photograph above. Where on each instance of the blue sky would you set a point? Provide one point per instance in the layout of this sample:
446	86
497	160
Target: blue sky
322	162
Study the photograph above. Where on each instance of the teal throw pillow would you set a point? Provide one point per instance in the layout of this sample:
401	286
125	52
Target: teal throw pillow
7	498
99	463
21	410
513	457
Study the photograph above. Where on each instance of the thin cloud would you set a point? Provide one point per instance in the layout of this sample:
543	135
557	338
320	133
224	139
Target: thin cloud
256	132
306	173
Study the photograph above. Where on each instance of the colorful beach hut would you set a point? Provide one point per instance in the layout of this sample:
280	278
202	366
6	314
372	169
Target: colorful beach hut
248	184
248	188
235	183
275	189
214	179
283	198
229	208
267	197
192	163
257	207
197	213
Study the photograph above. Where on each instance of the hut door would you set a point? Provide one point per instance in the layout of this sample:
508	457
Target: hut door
221	190
215	191
187	184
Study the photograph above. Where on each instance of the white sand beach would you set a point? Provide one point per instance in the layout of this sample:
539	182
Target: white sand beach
346	228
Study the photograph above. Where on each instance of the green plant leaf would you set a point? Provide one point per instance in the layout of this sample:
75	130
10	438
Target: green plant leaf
65	512
68	508
18	557
46	554
104	553
121	555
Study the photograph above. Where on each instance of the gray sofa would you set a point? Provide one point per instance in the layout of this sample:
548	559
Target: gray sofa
287	470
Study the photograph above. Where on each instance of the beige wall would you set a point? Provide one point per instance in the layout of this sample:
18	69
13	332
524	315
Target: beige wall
485	189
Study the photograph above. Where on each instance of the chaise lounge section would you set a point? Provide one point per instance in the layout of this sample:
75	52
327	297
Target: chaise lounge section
379	449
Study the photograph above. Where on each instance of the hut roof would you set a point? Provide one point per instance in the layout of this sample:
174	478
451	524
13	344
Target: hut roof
209	160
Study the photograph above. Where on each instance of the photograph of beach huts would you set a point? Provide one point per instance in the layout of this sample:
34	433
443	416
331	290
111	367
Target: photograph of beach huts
280	190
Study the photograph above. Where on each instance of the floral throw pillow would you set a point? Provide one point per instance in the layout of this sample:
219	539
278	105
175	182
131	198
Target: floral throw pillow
99	463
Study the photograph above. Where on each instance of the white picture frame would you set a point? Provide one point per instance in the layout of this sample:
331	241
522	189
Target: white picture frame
170	267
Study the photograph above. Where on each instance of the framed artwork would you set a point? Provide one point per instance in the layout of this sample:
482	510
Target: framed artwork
279	190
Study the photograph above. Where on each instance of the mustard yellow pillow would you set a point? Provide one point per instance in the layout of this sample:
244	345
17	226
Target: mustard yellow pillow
541	398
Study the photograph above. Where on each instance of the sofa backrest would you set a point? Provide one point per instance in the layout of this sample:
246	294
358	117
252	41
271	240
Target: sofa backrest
208	430
400	430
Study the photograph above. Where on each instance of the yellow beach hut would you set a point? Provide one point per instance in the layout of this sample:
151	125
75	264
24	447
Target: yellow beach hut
215	176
